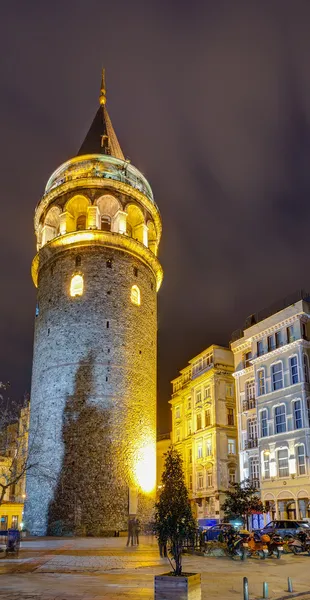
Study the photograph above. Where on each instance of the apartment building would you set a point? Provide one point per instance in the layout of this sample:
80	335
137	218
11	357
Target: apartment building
204	429
271	357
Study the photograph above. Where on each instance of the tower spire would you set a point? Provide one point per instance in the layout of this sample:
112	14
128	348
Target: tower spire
103	95
101	137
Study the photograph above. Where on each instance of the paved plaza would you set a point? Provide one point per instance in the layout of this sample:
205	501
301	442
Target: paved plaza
105	569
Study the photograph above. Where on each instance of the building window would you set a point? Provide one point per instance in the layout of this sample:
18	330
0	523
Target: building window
105	223
278	339
78	261
135	271
109	263
207	418
190	482
254	469
290	334
261	382
297	414
14	523
266	464
270	343
306	367
198	421
231	446
190	456
210	480
76	285
189	427
200	481
198	397
189	404
293	369
135	296
280	419
232	476
252	432
260	348
247	359
264	423
250	390
277	376
177	435
230	416
283	470
301	460
229	390
207	392
199	450
177	412
209	447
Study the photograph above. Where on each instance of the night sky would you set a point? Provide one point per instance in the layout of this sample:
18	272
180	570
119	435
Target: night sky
211	101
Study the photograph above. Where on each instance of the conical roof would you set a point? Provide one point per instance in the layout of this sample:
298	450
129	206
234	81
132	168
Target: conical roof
101	137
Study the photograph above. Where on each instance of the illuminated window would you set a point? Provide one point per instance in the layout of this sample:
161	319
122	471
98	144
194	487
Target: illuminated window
135	296
77	285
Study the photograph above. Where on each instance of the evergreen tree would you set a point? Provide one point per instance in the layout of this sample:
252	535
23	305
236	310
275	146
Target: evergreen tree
241	501
173	516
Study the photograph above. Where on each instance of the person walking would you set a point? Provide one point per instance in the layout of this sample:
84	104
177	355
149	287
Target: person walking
131	524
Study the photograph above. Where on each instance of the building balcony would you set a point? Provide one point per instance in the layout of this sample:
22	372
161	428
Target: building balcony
250	443
249	404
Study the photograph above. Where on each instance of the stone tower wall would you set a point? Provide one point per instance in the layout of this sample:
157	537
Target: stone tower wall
94	384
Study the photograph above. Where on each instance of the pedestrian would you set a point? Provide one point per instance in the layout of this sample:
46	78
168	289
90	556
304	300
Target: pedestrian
130	532
162	545
137	530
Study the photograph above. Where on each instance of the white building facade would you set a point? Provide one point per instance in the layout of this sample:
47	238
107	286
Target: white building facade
271	360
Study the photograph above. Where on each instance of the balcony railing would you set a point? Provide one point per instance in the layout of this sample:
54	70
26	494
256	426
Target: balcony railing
248	404
250	443
255	483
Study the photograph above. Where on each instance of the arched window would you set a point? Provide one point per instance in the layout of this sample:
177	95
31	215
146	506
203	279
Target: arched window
280	418
293	369
77	285
135	295
78	261
81	223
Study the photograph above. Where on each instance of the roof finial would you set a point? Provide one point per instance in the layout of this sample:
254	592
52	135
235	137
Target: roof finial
103	97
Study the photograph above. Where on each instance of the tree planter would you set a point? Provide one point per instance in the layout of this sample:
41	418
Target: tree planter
182	587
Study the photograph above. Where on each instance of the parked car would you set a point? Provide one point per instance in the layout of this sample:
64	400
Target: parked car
286	527
213	532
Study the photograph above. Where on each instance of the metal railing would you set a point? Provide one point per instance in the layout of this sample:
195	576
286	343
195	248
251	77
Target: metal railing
248	404
250	443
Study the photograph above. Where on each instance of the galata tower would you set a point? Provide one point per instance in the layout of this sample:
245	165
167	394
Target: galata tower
92	439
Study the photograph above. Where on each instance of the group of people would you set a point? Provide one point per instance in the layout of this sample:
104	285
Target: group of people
134	529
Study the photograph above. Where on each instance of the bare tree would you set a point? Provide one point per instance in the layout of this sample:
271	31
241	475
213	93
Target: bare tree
14	451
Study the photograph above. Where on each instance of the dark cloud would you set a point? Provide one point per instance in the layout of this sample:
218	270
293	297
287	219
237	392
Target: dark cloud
211	100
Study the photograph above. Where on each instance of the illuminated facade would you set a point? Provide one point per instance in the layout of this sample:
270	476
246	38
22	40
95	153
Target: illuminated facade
273	398
204	429
93	402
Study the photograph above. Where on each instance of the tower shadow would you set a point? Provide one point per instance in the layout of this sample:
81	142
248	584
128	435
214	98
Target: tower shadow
90	496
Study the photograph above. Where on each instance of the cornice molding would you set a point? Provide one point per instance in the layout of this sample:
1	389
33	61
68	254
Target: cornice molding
93	238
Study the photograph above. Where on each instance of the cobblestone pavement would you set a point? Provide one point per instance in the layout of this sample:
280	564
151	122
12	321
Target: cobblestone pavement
105	569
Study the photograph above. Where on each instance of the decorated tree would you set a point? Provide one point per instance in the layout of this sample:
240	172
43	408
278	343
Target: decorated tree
174	521
242	501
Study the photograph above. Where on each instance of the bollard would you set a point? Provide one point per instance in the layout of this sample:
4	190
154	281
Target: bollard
289	584
265	589
245	588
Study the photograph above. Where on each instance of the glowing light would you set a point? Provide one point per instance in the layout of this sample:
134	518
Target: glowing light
76	286
145	469
135	295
